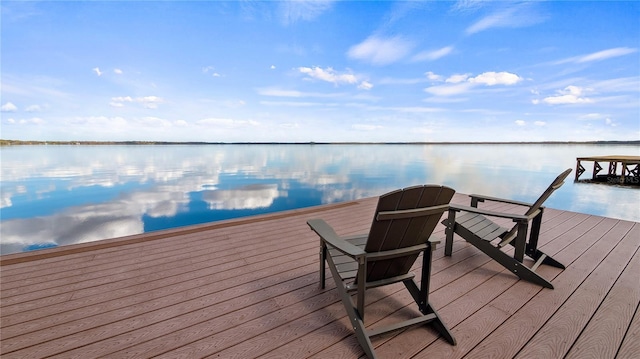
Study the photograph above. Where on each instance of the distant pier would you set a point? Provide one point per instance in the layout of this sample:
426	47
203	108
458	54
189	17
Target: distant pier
622	170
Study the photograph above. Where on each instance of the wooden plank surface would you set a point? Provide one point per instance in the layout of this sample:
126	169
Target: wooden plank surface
248	288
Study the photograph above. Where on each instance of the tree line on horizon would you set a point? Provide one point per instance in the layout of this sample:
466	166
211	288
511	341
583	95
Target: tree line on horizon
89	143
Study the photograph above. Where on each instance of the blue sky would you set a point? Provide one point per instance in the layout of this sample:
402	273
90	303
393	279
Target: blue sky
294	71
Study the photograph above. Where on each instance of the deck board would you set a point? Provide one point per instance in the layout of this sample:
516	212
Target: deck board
248	288
606	329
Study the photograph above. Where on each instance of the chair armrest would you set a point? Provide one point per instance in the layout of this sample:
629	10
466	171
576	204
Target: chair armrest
433	242
514	217
482	198
328	235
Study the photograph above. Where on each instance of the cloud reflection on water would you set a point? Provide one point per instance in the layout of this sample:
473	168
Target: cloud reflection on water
87	193
247	197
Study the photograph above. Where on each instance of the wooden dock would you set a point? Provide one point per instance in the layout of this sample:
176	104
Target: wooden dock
248	288
622	170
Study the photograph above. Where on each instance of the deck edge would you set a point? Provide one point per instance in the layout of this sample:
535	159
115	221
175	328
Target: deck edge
15	258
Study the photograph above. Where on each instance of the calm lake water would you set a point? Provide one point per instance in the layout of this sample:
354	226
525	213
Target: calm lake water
59	195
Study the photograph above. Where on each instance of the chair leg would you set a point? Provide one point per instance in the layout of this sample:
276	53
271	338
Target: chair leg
323	259
449	223
439	326
421	297
426	309
356	322
520	241
355	318
532	245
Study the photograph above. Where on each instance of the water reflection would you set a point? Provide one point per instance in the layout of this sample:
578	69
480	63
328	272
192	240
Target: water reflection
246	197
57	195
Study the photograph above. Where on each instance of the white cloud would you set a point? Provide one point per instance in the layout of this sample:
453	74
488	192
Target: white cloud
599	55
97	71
569	95
122	99
607	54
468	5
278	92
273	67
496	78
150	102
433	77
623	84
454	79
593	116
524	123
34	108
449	90
180	123
210	69
460	83
119	101
432	55
294	10
599	117
517	16
25	121
329	75
9	107
494	20
117	71
381	51
365	85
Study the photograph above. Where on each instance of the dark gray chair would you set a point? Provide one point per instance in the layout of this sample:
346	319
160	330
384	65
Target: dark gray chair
404	220
474	226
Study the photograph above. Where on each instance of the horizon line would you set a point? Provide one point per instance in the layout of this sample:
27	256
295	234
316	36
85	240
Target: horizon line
133	142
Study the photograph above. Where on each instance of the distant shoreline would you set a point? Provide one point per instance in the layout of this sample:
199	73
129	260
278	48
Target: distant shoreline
148	143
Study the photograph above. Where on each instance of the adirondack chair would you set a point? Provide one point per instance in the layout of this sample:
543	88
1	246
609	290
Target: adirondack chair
474	226
403	222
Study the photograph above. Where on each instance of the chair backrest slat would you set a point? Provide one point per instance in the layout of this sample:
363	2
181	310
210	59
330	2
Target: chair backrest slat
404	232
557	183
